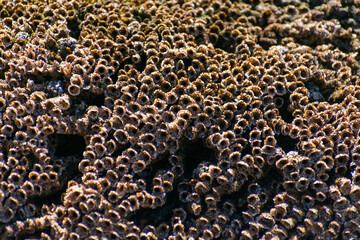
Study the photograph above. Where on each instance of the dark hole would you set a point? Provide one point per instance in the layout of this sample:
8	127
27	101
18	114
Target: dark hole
73	26
158	105
157	78
289	168
33	177
224	164
43	177
226	43
92	99
202	118
165	86
270	182
35	235
70	148
101	70
157	189
343	44
193	154
144	217
315	3
68	145
284	112
140	66
357	179
286	143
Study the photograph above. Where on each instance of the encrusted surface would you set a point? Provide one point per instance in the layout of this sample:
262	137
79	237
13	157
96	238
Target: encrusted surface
179	119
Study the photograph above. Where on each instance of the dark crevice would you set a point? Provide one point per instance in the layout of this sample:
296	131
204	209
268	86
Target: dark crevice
93	99
44	77
33	235
163	214
315	3
155	217
187	62
148	174
83	101
193	153
326	92
239	199
86	99
54	194
68	145
284	112
54	197
270	179
201	39
114	77
4	67
69	150
141	15
267	43
66	46
247	149
55	87
120	148
125	61
142	64
226	43
269	184
286	143
335	174
5	151
238	196
74	27
343	44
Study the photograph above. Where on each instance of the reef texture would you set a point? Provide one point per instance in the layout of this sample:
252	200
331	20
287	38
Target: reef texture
179	119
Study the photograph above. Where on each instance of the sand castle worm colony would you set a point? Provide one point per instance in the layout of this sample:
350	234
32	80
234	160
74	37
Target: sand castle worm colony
179	119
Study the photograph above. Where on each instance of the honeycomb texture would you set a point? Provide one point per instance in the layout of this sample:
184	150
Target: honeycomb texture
179	119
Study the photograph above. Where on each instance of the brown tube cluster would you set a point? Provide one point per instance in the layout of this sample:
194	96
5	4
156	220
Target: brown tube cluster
179	120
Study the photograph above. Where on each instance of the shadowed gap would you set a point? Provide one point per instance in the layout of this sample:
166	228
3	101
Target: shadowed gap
35	235
149	173
284	112
147	216
269	184
193	154
226	43
93	99
74	27
69	148
68	145
83	101
142	64
286	143
154	217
